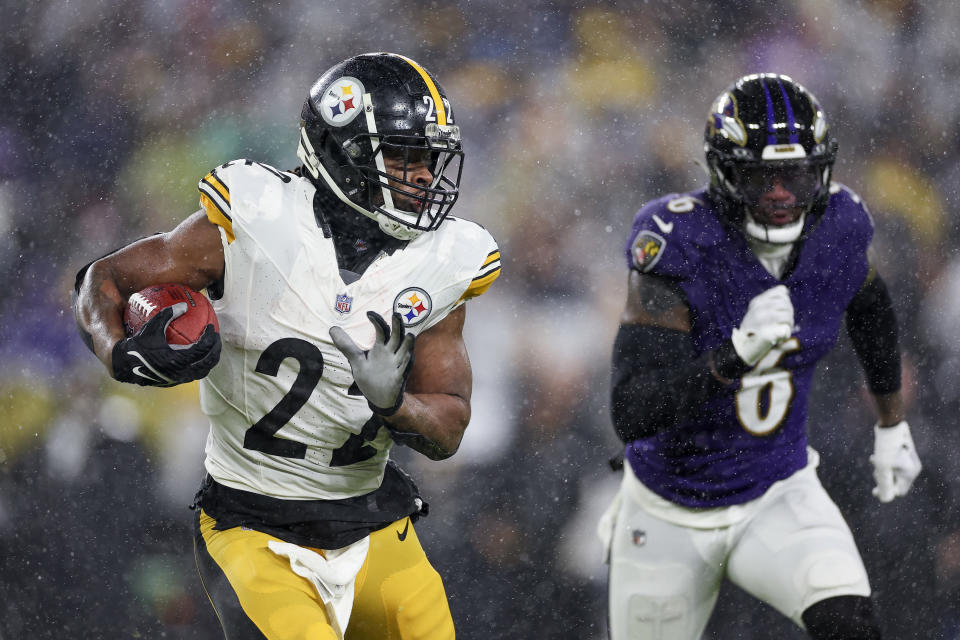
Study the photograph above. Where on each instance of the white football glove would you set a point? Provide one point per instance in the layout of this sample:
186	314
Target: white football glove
895	461
768	322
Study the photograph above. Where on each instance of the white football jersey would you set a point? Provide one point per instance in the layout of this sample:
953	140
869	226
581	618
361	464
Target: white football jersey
284	420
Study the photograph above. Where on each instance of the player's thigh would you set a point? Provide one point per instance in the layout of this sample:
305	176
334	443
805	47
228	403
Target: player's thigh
254	592
399	593
664	578
798	550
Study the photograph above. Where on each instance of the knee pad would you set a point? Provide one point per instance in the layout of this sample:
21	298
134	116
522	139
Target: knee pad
842	618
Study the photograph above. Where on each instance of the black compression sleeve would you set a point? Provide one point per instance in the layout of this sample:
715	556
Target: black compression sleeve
657	380
872	327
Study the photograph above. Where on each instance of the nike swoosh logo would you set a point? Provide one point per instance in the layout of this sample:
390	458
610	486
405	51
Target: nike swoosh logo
138	371
141	370
666	227
402	535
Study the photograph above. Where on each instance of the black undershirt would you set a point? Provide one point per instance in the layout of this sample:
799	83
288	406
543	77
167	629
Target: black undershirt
320	524
357	238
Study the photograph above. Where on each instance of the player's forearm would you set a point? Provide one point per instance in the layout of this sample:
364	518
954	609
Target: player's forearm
98	309
431	423
658	380
652	401
872	327
889	408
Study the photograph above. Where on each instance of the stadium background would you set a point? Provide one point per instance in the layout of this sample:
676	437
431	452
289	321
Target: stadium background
574	114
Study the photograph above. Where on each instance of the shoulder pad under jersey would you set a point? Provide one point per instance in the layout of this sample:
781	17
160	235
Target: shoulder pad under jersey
215	194
473	255
846	216
669	234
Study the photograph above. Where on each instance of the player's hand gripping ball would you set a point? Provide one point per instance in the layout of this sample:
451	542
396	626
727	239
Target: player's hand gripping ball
173	337
186	328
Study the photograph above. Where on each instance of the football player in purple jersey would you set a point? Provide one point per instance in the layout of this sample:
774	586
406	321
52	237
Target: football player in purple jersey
735	292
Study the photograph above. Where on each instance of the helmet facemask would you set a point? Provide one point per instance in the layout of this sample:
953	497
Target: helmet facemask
413	181
777	196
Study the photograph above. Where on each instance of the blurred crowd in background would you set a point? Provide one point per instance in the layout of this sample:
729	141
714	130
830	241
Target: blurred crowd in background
574	114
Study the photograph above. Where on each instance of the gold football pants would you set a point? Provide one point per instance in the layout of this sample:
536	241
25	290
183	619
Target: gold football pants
257	596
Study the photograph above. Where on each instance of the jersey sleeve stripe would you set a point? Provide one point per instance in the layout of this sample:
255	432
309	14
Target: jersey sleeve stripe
480	284
493	255
214	180
492	267
216	215
216	196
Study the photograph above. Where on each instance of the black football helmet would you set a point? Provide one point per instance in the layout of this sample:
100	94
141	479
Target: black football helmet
766	135
378	130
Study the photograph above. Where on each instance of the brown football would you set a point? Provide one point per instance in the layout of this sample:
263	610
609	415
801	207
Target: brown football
186	329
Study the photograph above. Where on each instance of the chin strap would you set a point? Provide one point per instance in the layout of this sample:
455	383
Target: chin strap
396	229
786	234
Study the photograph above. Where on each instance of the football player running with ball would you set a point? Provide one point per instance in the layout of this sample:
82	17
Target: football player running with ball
735	292
340	289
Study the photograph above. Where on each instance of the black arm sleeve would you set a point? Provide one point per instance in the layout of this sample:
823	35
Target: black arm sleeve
872	327
658	380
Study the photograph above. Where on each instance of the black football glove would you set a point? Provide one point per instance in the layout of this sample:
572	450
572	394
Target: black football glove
380	373
147	359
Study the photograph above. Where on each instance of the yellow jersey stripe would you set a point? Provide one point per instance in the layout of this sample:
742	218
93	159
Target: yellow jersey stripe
480	284
488	273
494	255
216	215
212	180
434	93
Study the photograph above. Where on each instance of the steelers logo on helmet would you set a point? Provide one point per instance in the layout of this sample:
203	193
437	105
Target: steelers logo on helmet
342	101
414	305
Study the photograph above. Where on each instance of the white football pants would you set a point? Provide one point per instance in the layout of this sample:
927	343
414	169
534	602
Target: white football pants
790	548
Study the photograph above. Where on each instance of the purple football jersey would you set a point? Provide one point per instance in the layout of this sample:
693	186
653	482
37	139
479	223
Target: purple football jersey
736	444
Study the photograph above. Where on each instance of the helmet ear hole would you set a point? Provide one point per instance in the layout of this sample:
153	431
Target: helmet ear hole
331	151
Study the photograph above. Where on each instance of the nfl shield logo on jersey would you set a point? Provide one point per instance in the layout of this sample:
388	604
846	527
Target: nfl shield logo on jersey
343	303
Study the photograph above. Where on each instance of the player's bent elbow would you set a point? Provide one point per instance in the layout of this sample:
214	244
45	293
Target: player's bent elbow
439	453
449	442
637	417
433	449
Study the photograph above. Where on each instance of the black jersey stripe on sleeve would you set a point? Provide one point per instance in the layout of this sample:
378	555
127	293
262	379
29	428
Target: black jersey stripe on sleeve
209	189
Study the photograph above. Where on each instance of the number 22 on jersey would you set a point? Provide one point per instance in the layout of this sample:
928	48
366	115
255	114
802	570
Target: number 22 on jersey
262	435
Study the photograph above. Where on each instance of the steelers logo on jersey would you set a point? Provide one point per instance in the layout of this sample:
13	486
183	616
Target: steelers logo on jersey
342	101
414	305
